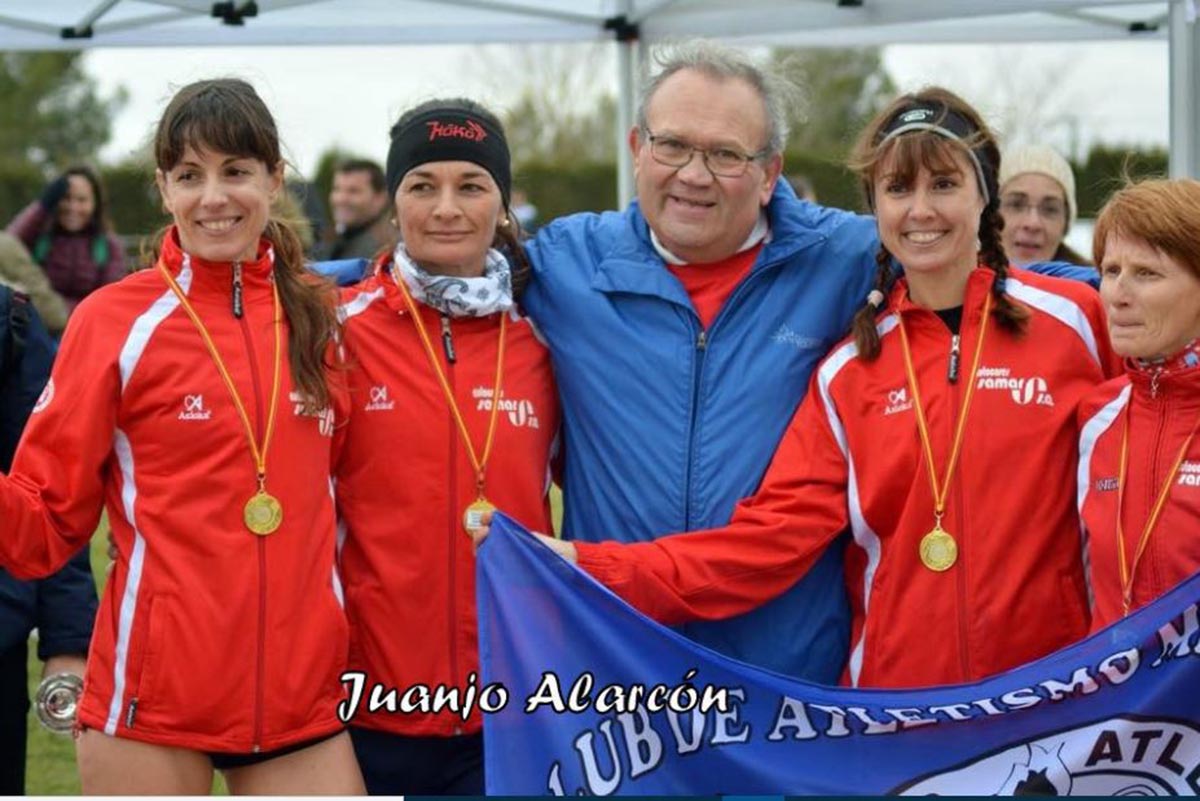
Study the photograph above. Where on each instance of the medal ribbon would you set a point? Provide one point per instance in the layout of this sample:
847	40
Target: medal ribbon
939	493
260	453
1129	572
477	462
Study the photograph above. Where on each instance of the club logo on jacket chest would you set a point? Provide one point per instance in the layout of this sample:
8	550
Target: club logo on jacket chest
324	416
521	412
1024	391
1189	474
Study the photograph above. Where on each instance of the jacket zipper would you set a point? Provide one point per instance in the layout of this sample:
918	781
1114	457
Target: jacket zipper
960	532
236	293
260	669
455	519
1154	466
697	376
701	347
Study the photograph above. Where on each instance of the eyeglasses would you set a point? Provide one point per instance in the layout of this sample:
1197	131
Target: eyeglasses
1048	210
726	162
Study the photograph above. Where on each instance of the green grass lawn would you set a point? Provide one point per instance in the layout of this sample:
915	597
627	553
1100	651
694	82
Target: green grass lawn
51	761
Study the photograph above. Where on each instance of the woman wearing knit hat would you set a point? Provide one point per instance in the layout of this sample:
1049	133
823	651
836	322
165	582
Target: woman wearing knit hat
1037	200
453	409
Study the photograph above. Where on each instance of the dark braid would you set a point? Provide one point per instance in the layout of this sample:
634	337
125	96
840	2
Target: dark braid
866	336
1009	315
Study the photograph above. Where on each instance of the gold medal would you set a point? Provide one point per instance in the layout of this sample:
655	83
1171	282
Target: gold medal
938	550
263	514
473	516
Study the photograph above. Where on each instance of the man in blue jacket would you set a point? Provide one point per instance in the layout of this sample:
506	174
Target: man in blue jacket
62	606
684	330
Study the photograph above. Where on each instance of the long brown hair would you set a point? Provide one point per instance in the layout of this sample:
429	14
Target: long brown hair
906	154
226	115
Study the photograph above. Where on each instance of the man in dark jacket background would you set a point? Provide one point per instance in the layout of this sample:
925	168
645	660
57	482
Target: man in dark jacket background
359	203
61	607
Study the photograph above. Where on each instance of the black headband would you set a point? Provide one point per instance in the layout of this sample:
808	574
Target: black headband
449	134
949	124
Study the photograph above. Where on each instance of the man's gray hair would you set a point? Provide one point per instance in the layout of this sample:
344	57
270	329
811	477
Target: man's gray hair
722	63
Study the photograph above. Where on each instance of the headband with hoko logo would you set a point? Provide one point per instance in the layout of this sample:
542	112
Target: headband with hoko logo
937	118
449	134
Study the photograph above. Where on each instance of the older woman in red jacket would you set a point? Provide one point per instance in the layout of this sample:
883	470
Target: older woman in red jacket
1139	471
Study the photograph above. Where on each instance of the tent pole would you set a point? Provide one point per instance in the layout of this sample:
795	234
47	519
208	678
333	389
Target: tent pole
627	42
1185	89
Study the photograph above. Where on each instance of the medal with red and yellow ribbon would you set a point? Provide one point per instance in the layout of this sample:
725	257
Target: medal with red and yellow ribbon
263	513
938	549
473	513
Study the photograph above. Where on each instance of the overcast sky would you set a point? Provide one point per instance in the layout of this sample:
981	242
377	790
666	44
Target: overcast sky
1069	94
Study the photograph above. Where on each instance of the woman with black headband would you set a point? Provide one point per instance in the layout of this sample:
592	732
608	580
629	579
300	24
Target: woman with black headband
454	411
941	433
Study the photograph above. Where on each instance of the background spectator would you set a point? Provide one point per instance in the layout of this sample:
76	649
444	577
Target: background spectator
1037	200
358	200
68	233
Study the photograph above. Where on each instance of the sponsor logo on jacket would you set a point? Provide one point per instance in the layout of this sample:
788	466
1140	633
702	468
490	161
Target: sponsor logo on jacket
898	400
324	416
193	408
378	400
521	413
44	399
1024	391
1189	474
784	335
1116	757
1107	484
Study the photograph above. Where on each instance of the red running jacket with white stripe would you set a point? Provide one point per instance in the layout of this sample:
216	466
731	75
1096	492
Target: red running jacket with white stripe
852	457
1160	413
404	480
208	637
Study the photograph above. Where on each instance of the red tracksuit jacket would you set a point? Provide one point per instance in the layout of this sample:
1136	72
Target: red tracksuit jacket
852	457
407	562
1161	413
208	637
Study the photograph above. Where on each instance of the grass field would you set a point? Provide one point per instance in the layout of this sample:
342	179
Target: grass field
51	761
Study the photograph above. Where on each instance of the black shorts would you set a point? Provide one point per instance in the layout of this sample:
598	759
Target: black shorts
222	761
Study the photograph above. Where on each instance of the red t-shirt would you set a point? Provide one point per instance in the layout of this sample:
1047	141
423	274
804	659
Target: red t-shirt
709	285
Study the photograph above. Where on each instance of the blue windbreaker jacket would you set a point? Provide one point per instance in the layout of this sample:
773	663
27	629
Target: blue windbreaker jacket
667	426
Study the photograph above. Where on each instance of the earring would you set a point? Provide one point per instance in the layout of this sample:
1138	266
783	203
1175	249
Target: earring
506	222
392	221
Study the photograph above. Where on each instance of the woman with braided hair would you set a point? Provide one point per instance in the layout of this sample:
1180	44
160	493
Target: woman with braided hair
941	433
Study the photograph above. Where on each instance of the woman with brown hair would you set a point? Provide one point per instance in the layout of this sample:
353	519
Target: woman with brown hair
69	235
444	367
930	433
1139	472
191	402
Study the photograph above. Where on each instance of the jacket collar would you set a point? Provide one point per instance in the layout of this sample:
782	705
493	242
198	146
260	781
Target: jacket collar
633	266
1176	377
979	284
217	276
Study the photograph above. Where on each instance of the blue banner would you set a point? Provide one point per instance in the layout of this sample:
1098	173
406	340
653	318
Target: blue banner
589	696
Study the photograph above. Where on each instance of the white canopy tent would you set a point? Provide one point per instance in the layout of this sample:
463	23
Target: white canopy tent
631	25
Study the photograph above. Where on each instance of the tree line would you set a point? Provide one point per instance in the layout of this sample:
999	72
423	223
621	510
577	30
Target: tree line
52	115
